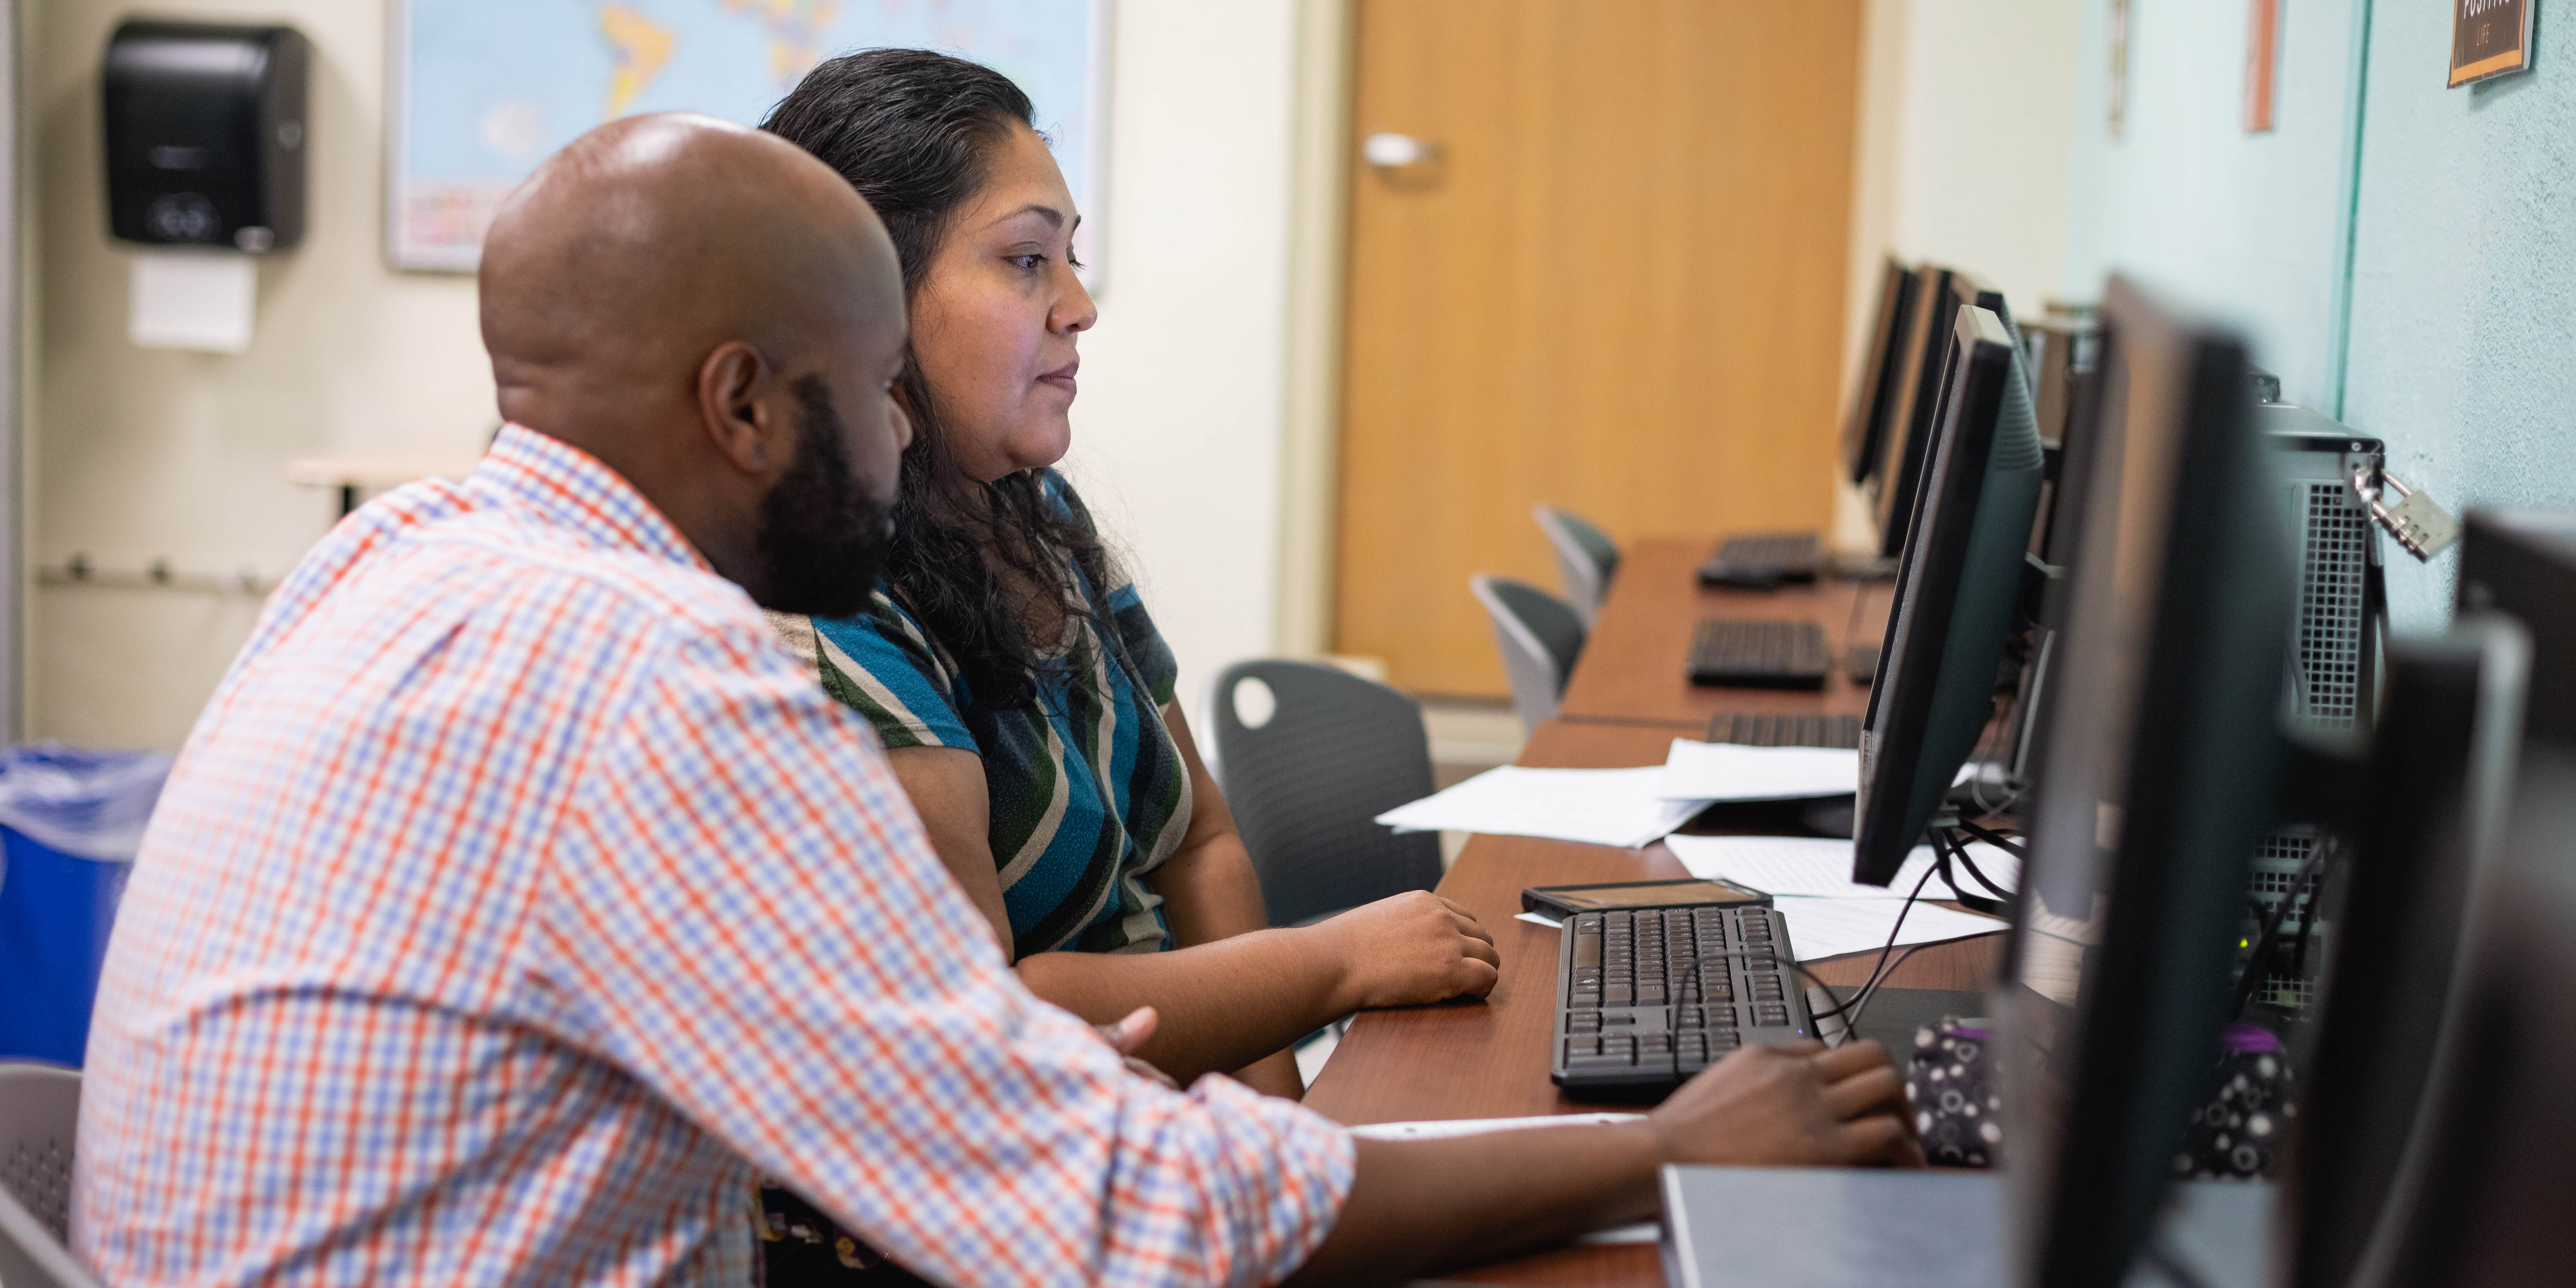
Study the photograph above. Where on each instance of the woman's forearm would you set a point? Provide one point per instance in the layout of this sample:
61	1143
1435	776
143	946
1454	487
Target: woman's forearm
1224	1005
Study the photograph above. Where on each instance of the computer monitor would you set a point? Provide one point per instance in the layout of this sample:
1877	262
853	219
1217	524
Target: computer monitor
2057	351
1918	368
2523	563
2432	803
1961	575
1910	420
2161	755
1865	423
2495	1190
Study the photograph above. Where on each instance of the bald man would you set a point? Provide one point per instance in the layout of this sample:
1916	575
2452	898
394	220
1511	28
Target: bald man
517	900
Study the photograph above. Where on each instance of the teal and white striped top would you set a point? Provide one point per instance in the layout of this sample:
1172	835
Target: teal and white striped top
1088	791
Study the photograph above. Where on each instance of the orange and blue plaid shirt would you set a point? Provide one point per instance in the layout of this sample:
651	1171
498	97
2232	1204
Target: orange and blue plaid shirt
517	899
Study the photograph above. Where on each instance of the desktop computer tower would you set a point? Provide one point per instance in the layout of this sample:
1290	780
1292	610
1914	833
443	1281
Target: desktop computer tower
2333	671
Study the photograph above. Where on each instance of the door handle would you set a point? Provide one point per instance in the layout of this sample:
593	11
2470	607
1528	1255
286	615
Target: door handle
1391	151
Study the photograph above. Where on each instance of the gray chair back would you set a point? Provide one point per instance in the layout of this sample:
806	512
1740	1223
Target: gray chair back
1307	783
1540	636
1586	559
39	1108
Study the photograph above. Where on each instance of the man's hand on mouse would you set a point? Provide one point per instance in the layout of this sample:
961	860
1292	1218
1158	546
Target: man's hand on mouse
1798	1103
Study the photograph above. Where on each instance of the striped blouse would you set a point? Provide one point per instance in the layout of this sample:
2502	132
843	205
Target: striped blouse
1088	791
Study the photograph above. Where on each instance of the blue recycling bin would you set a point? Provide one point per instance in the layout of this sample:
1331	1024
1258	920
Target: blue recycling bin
69	824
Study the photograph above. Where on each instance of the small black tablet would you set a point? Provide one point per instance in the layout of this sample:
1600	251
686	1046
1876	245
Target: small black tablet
1565	901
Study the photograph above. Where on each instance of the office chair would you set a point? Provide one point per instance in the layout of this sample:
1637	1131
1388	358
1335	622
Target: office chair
1308	780
39	1106
1586	559
1540	636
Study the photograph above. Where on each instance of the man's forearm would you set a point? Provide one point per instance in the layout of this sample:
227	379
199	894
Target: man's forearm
1417	1205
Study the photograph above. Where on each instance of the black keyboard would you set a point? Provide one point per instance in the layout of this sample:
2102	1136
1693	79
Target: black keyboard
1759	655
1777	729
1863	665
1763	560
1648	997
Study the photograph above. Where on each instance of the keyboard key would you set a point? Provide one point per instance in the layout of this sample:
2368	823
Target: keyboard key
1587	951
1619	995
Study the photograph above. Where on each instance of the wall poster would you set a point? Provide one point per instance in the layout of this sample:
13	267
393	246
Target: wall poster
2489	38
483	90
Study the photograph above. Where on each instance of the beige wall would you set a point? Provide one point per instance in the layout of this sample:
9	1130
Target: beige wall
1986	137
1964	155
1177	435
137	454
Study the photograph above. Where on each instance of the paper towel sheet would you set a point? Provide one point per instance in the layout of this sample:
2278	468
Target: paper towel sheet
193	299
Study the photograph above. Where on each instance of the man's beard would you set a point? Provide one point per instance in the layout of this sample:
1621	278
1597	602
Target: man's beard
822	537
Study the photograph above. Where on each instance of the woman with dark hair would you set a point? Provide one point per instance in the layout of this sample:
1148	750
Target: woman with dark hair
1023	695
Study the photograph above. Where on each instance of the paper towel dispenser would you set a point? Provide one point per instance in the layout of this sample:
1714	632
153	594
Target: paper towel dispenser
205	134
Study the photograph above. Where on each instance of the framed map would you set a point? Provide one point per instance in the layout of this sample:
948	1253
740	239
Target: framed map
483	90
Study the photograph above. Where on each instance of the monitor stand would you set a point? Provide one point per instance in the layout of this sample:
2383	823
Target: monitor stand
1867	1227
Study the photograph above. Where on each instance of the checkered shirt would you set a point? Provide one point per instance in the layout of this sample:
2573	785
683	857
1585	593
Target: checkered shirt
517	898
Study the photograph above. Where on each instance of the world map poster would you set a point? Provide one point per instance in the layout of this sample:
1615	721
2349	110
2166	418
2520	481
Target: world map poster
484	90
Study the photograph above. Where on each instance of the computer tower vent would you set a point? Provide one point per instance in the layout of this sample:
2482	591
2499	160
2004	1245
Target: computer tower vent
2278	857
2334	565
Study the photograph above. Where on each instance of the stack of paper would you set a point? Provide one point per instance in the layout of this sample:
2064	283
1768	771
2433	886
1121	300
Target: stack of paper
1829	913
1821	928
1628	807
1725	771
1599	806
1797	865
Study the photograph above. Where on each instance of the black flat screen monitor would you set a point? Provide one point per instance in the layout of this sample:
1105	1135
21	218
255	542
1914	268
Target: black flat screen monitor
1910	419
2523	563
2434	794
1874	392
2496	1189
1955	591
2161	757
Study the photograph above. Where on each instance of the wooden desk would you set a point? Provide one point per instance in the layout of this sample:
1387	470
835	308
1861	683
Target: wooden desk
1489	1059
1633	666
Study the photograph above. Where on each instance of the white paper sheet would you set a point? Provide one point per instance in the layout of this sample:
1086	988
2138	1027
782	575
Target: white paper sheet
1600	806
196	299
1799	865
1439	1128
1539	919
1725	771
1820	928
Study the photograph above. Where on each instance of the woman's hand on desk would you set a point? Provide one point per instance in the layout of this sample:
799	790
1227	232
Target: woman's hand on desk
1409	950
1791	1105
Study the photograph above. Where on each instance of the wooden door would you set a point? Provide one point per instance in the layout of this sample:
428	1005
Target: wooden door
1617	287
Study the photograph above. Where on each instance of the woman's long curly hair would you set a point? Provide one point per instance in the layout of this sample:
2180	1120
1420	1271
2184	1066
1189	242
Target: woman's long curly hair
910	130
